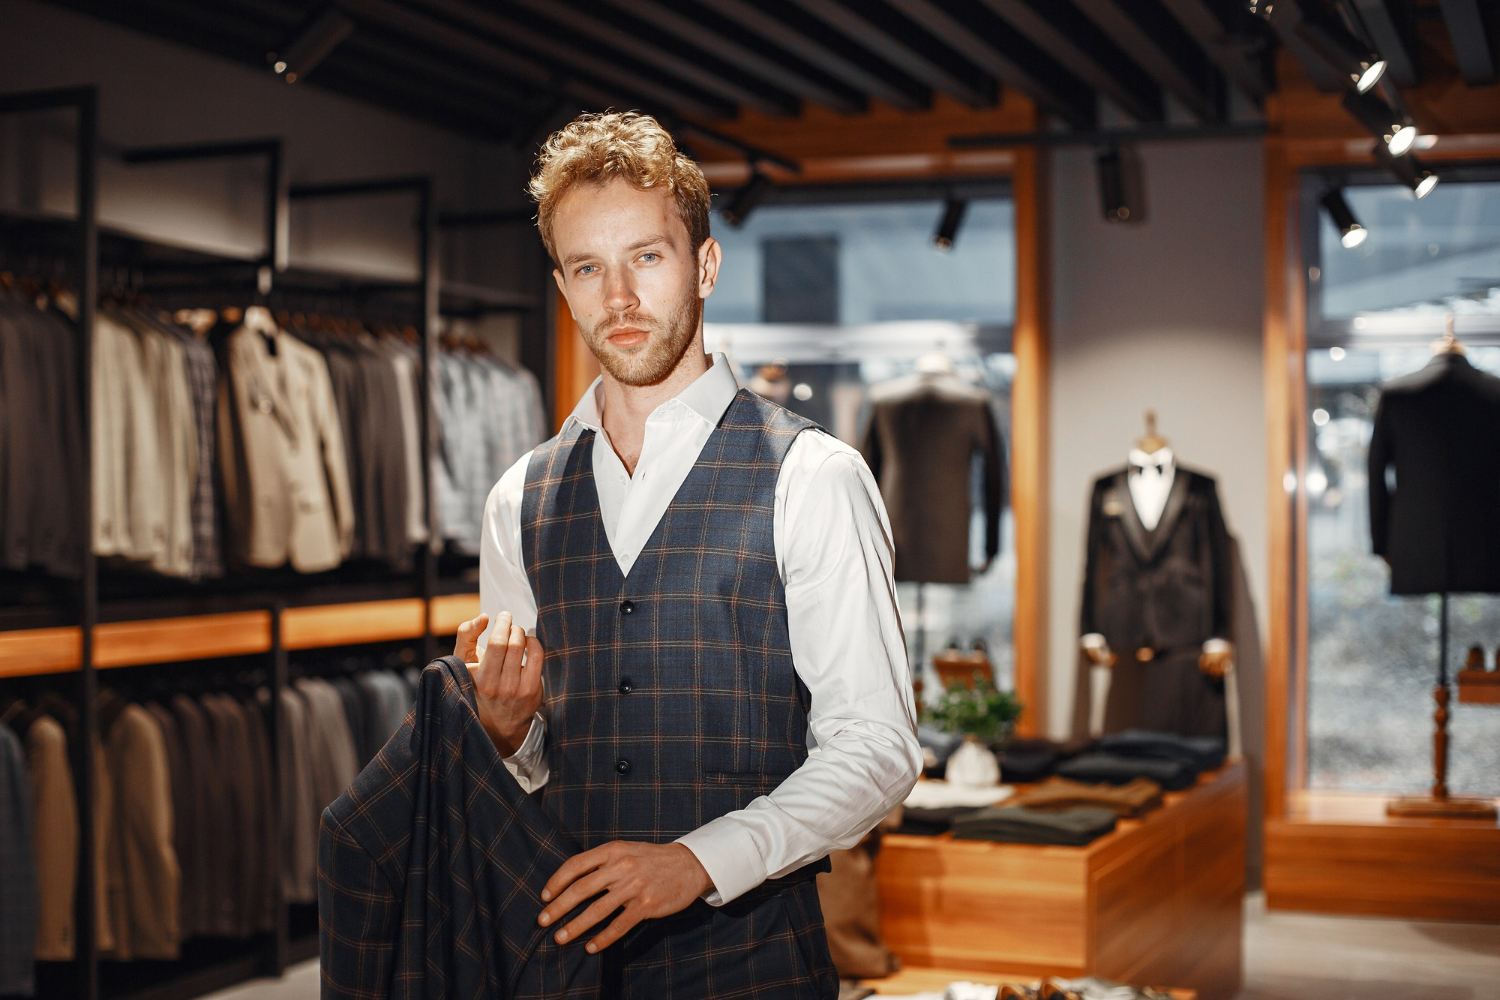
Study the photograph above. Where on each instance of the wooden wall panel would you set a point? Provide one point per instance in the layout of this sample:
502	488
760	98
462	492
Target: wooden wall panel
347	624
170	640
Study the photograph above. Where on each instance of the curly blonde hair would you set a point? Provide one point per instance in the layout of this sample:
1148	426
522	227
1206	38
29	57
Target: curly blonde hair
595	148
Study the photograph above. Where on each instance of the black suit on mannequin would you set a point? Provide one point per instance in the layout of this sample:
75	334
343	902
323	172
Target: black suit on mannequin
1166	591
1439	428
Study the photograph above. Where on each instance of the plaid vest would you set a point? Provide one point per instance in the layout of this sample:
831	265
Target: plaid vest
670	693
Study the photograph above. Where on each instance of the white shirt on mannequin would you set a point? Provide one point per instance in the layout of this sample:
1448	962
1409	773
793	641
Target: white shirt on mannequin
1150	479
834	553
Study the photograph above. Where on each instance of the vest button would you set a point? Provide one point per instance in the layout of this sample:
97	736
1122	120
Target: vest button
622	767
626	685
627	607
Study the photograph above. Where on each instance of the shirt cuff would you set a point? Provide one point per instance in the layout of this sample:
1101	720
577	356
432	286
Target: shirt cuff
728	853
527	761
1217	646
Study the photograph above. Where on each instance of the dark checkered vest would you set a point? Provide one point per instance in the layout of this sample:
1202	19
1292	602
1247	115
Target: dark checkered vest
671	696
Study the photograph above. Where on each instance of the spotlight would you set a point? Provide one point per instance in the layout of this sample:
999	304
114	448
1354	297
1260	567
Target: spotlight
1112	192
1351	233
953	217
1260	8
1408	170
745	200
311	45
1340	49
1392	127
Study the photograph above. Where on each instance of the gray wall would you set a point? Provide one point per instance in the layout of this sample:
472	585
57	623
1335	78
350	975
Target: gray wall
156	92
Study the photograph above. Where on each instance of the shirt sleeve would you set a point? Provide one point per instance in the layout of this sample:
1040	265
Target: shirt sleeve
834	550
504	586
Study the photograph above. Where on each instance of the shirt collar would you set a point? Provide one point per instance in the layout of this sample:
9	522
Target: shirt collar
708	397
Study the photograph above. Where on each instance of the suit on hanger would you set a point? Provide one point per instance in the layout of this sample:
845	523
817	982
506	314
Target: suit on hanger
1156	596
18	892
55	811
1439	429
924	432
286	477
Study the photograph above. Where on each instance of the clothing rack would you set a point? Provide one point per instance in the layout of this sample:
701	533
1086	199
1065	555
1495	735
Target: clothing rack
64	647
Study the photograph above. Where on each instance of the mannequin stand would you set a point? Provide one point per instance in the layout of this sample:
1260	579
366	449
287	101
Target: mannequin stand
1439	804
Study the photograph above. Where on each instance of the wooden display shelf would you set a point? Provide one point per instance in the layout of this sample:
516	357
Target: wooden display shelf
1479	687
936	980
40	651
1338	852
1159	900
170	640
447	613
347	624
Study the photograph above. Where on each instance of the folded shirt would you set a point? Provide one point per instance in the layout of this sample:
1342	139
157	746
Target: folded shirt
1028	760
1132	799
942	794
1203	752
1019	825
1100	768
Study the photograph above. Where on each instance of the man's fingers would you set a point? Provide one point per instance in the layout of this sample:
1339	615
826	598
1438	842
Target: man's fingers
585	888
617	929
578	864
492	667
597	911
531	670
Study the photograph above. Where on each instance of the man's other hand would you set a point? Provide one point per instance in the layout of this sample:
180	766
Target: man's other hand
507	682
643	881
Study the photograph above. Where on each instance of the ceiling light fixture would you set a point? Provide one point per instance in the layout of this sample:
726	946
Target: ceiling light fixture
1351	233
1113	196
1393	127
312	43
1409	171
953	217
746	199
1328	37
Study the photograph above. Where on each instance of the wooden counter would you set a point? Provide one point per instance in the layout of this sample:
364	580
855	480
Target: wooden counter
937	980
1156	901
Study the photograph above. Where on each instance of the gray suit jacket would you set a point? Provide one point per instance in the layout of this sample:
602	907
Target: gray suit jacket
286	477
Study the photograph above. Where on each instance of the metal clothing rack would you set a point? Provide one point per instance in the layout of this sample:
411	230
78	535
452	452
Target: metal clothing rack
265	624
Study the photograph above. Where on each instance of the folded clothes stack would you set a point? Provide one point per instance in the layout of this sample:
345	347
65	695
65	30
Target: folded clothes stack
1105	768
1128	801
1019	825
1028	760
1204	753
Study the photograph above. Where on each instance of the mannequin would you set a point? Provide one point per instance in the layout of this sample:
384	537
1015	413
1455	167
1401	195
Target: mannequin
1151	479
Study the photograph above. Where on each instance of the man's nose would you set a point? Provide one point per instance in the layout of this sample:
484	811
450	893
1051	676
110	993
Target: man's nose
619	293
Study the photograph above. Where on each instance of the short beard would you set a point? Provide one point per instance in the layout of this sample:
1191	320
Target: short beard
666	343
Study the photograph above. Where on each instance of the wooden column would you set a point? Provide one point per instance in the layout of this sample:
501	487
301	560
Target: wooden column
1030	496
576	365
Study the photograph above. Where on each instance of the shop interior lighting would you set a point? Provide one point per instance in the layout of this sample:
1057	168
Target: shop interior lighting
1112	193
1390	126
313	43
1328	37
746	199
1409	171
1351	233
953	217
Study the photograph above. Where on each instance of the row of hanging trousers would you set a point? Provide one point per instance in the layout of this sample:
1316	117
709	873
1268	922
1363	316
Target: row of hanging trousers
183	812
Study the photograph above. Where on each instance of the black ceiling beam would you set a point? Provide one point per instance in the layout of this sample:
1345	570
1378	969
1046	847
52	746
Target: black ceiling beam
937	73
1109	137
1285	18
1471	41
1161	46
1011	59
1076	43
775	21
500	29
1233	46
770	100
1391	33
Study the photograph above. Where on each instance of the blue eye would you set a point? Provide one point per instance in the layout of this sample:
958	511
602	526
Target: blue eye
651	255
585	268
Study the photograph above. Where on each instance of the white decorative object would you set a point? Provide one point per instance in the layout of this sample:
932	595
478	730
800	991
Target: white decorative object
973	766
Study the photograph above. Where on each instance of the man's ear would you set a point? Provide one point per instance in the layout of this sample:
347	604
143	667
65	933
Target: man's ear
710	255
557	276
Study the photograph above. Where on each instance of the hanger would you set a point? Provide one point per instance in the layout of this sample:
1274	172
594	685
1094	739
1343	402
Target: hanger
1448	343
1151	442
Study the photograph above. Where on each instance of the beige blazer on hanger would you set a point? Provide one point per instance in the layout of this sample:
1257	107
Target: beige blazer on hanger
286	478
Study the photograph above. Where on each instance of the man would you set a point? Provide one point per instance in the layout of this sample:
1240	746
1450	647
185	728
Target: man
709	579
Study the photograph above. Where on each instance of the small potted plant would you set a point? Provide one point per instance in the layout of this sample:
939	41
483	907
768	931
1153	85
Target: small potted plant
984	716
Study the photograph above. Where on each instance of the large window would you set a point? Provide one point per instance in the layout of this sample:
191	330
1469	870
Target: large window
837	298
1371	657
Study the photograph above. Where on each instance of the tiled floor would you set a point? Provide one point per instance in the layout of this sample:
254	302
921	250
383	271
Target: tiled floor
1288	956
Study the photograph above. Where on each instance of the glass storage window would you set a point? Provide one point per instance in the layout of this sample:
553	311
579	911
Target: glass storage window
845	296
1371	657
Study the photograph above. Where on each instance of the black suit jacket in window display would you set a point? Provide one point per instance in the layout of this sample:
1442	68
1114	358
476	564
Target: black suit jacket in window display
1166	590
1439	430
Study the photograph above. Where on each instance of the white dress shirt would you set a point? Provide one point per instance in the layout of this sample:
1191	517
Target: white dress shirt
834	554
1150	480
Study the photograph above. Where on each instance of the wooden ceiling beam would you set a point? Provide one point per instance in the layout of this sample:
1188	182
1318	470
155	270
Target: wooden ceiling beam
860	29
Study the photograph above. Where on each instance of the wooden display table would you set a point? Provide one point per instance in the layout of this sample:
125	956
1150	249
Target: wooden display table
936	980
1158	901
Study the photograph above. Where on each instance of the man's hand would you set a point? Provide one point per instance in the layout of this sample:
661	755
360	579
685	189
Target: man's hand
507	683
646	880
